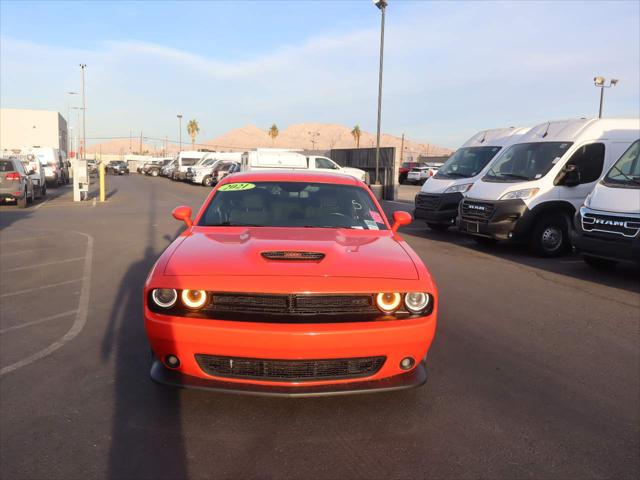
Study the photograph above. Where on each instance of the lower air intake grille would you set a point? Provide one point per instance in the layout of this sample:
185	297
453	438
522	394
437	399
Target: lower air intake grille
289	370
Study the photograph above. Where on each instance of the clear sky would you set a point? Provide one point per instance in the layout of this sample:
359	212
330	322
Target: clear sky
451	67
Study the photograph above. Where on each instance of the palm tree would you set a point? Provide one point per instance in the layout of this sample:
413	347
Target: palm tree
193	129
273	133
357	133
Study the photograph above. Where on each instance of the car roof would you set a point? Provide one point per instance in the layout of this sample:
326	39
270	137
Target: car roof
291	176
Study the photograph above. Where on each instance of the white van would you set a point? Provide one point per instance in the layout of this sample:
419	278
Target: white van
200	173
54	161
186	159
607	226
532	190
438	199
283	158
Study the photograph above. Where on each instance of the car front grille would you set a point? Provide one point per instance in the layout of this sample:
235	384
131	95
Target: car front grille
610	225
428	202
289	370
476	211
291	304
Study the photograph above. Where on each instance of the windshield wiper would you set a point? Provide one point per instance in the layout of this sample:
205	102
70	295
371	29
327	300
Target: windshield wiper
456	174
631	179
233	224
515	175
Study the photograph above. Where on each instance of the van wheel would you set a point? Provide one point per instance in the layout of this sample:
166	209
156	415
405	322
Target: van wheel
154	173
206	181
439	227
22	202
599	263
551	236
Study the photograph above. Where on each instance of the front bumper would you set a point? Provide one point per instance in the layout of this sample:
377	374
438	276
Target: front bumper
603	245
414	378
394	339
440	208
497	219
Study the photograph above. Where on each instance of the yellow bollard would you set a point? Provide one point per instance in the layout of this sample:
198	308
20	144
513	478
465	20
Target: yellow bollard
102	190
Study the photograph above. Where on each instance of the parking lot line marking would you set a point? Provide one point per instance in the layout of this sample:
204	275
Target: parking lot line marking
43	287
41	204
81	314
23	239
35	322
67	260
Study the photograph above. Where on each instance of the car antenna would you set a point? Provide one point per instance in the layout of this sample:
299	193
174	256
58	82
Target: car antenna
546	132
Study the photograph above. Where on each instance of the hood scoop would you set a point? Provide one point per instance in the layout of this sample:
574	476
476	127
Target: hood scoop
292	255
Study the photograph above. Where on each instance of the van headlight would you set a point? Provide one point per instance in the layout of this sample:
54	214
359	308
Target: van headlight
194	299
388	302
520	194
587	201
164	297
416	302
459	188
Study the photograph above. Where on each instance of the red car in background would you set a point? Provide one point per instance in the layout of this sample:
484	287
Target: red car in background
404	170
291	284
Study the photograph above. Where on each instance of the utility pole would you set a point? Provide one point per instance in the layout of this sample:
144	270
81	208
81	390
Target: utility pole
382	5
402	149
84	113
313	136
130	139
140	150
180	130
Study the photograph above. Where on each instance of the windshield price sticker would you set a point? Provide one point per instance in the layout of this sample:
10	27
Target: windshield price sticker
236	187
376	216
372	225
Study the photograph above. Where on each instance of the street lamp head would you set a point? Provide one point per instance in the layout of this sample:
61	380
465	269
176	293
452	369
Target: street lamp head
380	3
598	81
179	115
614	81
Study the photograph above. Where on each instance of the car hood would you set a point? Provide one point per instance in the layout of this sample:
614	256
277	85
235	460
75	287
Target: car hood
237	251
354	172
620	200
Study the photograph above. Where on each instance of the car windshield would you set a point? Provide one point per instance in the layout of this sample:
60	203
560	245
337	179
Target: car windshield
293	204
467	162
626	171
187	162
526	161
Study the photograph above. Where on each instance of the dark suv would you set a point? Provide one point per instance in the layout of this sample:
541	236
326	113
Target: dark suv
118	167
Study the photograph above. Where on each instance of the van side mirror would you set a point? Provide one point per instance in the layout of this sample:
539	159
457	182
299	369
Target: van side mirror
400	218
183	214
569	176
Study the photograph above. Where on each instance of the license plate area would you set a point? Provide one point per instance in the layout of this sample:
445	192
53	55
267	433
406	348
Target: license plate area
473	227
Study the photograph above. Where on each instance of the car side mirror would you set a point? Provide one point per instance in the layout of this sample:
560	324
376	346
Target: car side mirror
569	176
183	214
400	218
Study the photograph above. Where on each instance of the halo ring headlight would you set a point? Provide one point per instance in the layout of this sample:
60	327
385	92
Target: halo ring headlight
416	302
164	297
388	302
194	299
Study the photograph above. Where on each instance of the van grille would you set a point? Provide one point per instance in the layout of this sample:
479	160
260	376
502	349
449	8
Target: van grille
428	202
289	370
611	224
481	211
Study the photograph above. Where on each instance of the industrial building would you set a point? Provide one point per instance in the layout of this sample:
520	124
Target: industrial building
21	128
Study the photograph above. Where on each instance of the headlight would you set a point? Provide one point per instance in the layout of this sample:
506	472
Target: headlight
388	302
520	194
459	188
416	302
194	298
587	201
164	297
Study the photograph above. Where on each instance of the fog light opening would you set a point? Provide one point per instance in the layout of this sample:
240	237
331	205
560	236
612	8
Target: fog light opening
172	361
407	362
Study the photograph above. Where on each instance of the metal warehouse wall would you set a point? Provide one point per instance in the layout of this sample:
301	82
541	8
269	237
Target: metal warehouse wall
365	159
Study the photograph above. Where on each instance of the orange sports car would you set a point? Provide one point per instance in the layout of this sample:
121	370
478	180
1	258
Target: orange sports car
291	284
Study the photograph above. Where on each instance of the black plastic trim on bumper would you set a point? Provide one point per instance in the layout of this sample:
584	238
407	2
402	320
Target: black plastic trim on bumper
501	224
446	209
619	250
414	378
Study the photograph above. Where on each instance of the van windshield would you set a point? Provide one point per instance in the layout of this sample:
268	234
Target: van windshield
187	162
625	172
467	162
526	161
292	204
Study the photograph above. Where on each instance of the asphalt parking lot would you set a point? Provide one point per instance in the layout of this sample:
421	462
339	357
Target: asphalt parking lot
534	372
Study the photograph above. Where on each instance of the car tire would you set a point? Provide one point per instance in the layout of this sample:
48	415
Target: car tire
22	202
154	173
32	197
43	191
439	227
599	263
206	181
550	237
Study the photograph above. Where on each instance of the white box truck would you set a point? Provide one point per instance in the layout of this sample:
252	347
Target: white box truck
607	226
532	191
438	199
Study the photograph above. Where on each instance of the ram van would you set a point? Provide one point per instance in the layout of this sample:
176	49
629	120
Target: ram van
185	160
438	199
607	225
532	191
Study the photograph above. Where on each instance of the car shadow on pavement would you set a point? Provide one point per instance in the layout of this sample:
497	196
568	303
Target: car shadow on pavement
624	277
146	434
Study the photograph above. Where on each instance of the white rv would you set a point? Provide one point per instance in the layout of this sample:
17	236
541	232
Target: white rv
532	190
282	158
438	199
607	226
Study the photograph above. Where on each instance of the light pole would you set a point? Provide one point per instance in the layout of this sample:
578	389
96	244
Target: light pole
314	136
84	110
69	118
382	5
180	130
600	82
